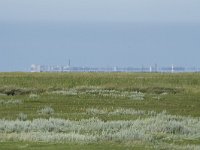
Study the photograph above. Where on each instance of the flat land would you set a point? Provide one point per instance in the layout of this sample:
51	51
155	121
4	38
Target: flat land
99	111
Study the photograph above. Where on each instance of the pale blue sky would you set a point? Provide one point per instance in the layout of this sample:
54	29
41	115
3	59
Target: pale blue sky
99	33
100	10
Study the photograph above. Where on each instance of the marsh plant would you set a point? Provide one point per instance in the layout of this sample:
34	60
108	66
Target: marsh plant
71	92
47	110
94	111
98	91
34	96
122	111
48	137
22	117
160	128
119	111
105	109
11	102
13	90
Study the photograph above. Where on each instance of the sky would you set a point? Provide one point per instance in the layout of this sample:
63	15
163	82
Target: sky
99	33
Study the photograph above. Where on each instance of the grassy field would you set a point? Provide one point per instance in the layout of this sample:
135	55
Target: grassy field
99	111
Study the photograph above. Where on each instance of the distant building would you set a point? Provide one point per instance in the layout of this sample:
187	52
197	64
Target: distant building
68	68
35	68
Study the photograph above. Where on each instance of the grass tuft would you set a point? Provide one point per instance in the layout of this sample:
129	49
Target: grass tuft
47	110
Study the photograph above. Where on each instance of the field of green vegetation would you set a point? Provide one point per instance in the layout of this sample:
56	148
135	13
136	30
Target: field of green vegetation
99	111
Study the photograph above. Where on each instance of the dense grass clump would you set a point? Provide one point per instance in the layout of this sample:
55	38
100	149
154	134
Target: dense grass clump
10	102
47	110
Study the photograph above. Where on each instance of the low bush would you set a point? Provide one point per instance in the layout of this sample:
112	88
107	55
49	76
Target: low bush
144	129
10	102
22	117
47	110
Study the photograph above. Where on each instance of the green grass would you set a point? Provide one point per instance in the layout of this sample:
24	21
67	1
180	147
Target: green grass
69	146
177	94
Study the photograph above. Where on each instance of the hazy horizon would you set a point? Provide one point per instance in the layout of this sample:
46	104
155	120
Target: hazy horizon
107	33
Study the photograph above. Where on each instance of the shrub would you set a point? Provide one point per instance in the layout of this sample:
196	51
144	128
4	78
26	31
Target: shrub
98	91
11	90
157	129
22	117
94	111
122	111
47	110
11	102
34	97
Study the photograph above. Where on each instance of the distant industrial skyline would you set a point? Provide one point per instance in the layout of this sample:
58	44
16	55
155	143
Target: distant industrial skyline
69	68
99	33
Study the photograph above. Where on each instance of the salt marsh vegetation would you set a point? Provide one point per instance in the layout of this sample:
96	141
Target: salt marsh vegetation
47	110
11	102
160	128
119	111
22	117
133	111
34	96
98	91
